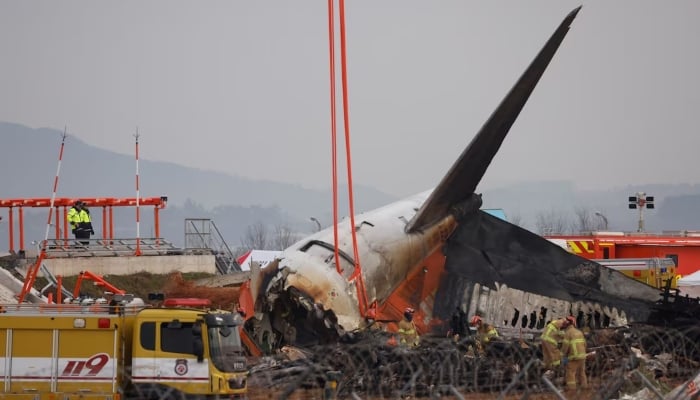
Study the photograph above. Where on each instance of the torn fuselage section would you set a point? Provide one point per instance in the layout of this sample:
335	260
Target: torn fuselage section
535	275
520	314
303	303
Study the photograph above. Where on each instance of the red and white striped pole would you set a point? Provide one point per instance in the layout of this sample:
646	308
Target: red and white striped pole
33	271
138	211
55	188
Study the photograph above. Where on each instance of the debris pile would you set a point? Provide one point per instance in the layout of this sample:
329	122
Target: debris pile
621	361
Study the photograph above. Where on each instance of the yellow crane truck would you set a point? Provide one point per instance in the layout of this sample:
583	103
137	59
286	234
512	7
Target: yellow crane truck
120	351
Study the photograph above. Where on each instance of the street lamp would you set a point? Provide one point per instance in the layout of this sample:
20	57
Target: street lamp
318	224
641	201
605	220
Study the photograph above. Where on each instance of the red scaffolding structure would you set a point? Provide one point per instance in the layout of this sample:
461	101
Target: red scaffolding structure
107	204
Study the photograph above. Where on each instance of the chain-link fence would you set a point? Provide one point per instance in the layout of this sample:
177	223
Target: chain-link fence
633	361
637	362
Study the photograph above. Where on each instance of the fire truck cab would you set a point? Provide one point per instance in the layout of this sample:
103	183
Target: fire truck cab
71	351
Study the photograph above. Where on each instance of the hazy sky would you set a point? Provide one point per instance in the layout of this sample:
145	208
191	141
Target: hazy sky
243	87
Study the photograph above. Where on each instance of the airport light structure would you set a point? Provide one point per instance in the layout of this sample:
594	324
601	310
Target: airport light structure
641	201
64	204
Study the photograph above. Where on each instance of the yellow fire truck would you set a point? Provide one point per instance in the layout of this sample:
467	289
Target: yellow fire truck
120	351
652	271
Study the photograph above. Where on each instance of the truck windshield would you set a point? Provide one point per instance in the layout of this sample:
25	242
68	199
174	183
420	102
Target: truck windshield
225	348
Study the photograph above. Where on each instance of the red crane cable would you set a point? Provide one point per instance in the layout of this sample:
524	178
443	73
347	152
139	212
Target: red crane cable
32	272
334	155
362	295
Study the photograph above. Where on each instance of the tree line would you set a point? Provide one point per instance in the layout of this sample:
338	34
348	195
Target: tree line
553	222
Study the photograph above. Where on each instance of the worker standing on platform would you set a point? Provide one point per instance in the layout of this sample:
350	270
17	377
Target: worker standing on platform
80	221
74	219
86	222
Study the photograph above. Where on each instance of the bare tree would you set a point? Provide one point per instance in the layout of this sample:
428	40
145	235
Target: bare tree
239	251
256	237
584	220
588	221
283	237
551	223
516	219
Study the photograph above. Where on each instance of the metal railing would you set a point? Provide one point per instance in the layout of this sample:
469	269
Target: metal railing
202	233
57	248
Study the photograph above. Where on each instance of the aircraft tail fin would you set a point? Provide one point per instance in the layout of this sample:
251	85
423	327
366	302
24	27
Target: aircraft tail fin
464	175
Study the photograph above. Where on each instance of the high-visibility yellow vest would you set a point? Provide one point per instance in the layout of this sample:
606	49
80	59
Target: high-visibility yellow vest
551	331
84	216
574	344
73	217
408	334
487	333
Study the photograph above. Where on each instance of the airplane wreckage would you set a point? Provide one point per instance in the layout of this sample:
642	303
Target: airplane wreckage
437	252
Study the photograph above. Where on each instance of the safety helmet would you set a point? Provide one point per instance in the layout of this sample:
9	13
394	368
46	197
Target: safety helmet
476	320
408	313
571	320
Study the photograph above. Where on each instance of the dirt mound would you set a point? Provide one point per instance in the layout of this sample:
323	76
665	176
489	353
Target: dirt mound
225	298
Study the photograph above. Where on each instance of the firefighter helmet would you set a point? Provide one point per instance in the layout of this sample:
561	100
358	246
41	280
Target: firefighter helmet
408	313
571	320
476	320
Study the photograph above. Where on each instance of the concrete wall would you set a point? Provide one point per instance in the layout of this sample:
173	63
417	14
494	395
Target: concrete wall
127	265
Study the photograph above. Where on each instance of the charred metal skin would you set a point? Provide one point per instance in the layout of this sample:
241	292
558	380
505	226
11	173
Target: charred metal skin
486	250
306	298
306	276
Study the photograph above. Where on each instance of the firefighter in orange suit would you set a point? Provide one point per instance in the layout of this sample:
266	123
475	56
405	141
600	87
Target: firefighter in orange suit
550	338
408	335
573	350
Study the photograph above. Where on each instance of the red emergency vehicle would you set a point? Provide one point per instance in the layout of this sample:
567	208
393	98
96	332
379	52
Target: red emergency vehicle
682	247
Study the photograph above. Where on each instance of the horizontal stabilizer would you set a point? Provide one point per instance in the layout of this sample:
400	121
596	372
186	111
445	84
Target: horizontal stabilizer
462	179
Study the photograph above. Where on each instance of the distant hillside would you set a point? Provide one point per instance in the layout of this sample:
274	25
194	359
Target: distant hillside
94	172
88	171
235	203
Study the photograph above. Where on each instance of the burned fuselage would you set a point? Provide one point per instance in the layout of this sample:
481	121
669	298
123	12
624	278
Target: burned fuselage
307	284
484	264
427	252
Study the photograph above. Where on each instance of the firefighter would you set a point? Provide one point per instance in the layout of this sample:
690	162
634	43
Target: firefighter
484	332
408	334
573	350
551	337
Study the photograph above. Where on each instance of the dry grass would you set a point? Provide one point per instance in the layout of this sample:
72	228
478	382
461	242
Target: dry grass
141	284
